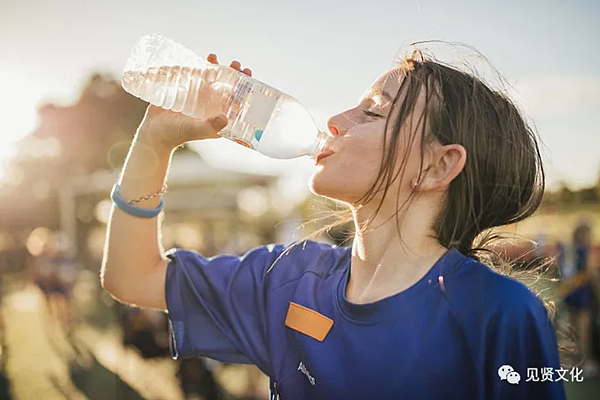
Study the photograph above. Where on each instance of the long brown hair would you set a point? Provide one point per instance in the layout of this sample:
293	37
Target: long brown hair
503	178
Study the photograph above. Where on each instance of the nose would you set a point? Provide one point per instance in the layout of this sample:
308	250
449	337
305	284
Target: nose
336	126
334	131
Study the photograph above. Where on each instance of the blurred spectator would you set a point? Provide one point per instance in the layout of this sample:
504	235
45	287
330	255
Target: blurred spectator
52	269
197	380
146	330
579	294
540	248
5	388
565	269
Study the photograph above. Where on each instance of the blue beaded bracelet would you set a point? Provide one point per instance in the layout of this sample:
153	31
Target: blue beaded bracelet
123	205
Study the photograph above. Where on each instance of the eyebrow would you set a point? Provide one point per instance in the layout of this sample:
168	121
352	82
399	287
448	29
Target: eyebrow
387	98
383	94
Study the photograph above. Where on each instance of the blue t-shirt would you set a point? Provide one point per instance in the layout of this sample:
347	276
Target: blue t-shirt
431	341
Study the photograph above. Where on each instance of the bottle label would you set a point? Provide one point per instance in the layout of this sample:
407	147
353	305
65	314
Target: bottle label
259	111
255	102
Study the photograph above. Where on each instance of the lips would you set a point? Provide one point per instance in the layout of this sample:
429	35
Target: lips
322	155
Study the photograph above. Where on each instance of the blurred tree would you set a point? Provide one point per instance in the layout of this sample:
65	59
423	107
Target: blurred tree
588	195
565	195
88	131
75	140
598	186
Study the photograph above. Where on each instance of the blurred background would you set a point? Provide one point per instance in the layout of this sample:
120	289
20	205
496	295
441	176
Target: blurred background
66	125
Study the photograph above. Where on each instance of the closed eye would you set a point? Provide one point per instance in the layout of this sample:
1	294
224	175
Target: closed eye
372	114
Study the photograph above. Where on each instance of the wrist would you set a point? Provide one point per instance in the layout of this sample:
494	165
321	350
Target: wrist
149	139
146	164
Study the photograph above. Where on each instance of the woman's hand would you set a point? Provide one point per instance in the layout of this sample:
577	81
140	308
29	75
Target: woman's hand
166	129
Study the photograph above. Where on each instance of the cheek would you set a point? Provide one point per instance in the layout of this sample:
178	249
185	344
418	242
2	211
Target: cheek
360	156
349	174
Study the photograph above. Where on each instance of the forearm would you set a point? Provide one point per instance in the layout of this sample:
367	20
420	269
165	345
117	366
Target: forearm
132	244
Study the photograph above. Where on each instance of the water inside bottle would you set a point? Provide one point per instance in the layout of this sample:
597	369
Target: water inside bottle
197	92
260	117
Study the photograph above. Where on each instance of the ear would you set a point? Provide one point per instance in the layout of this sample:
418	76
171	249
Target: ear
444	164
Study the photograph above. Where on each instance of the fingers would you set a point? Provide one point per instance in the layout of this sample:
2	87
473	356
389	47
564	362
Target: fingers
212	58
197	129
235	64
238	66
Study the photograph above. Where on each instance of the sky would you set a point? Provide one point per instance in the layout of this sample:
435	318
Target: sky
324	53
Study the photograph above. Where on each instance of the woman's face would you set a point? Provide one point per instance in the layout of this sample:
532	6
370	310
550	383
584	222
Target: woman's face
358	134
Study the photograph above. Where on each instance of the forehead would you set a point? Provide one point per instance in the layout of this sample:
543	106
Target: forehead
387	84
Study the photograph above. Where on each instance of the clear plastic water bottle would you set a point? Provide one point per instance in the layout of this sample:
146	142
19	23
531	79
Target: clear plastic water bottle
168	75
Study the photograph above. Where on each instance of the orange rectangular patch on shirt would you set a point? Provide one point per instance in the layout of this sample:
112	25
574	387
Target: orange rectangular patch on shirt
308	321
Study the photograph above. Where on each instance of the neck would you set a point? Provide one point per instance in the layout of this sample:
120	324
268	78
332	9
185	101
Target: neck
388	257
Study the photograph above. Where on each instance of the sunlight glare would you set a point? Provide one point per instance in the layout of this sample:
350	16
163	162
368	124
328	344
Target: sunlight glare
18	111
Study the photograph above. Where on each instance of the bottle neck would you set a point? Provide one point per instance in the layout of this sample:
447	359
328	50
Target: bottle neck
320	144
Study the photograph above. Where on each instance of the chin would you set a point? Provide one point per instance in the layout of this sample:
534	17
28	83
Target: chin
320	185
326	187
315	185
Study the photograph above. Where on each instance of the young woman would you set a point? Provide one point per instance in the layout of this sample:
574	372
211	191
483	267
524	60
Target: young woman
428	159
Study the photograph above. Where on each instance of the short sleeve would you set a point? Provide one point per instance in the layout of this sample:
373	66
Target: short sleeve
520	338
217	306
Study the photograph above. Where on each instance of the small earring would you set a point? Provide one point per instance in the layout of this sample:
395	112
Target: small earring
415	183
